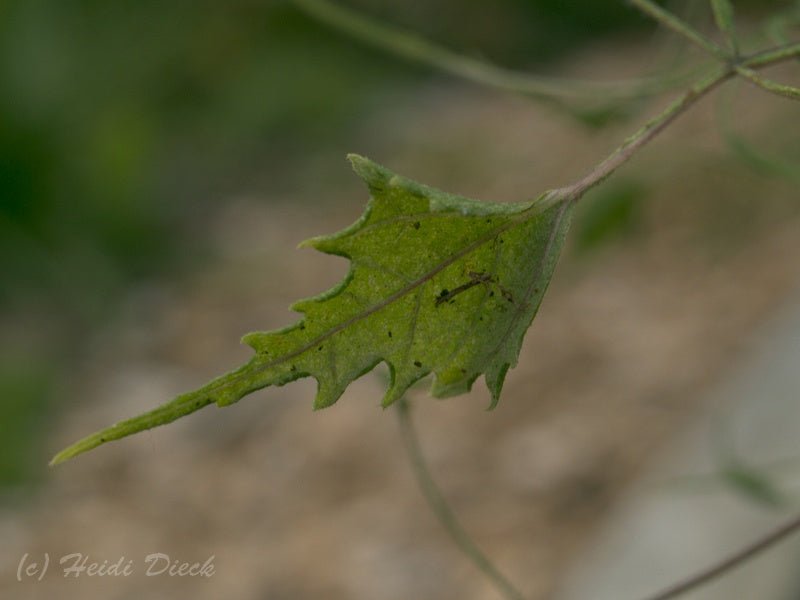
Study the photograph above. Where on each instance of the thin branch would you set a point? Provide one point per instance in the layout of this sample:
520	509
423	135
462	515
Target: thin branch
650	130
723	16
733	561
414	48
670	21
658	123
441	509
772	56
787	91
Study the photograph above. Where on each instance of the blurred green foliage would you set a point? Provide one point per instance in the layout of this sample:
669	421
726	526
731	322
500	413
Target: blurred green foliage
24	389
612	211
113	116
754	485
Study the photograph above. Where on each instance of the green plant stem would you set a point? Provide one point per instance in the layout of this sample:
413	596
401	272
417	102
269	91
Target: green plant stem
414	48
658	123
731	562
772	56
787	91
633	143
723	16
670	21
441	509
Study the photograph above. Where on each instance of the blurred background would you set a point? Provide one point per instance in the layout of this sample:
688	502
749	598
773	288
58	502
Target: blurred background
160	161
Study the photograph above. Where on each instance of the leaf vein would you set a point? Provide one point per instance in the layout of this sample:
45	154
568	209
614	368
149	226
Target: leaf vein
260	368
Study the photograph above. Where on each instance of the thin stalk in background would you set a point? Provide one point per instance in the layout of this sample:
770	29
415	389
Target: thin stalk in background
787	91
723	16
657	124
417	49
442	510
733	561
679	26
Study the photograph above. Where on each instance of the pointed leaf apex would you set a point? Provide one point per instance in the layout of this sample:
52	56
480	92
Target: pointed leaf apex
395	391
375	176
314	242
328	392
254	339
494	381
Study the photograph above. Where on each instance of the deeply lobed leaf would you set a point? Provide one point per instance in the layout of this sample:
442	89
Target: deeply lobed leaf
437	284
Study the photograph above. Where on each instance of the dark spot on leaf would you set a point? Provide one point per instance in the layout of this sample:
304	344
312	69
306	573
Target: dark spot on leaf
442	296
294	368
320	348
416	224
491	293
102	439
302	326
502	241
489	221
417	363
390	334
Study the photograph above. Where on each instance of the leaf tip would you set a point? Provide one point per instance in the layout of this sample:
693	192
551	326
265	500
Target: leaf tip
494	381
374	175
83	445
313	242
328	392
393	394
57	460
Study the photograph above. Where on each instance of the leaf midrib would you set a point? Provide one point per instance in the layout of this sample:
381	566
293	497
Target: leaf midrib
519	219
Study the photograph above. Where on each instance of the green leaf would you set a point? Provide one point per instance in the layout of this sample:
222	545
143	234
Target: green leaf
612	214
437	284
723	15
750	154
753	484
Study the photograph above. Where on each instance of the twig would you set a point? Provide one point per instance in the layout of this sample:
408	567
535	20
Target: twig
728	564
787	91
772	55
441	509
650	130
670	21
658	123
414	48
723	16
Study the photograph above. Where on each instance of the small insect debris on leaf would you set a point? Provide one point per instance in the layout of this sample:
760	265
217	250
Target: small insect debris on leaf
475	278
